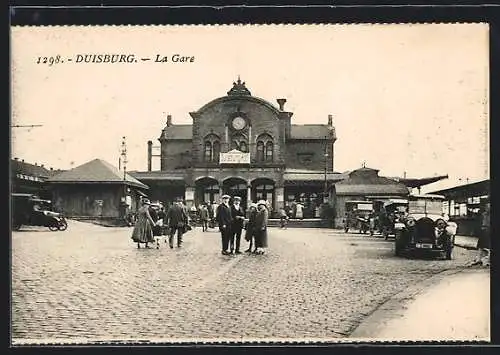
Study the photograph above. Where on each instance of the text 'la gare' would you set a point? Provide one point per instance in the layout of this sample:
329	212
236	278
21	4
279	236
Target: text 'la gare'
176	58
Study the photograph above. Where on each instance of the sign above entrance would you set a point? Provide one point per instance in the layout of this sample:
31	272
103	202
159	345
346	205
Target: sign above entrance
234	157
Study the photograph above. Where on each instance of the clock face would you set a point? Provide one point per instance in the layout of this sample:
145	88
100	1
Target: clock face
239	123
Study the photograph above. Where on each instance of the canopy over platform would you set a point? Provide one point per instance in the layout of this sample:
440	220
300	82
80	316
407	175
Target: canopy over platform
419	182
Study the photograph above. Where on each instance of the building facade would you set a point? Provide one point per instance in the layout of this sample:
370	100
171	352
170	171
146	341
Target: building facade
243	145
96	189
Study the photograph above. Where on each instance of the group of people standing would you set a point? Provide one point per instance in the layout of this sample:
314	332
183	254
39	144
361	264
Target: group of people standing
231	220
153	220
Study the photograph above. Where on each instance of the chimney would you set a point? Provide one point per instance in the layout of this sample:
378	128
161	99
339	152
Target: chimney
36	164
281	102
150	152
42	165
22	160
330	120
169	120
51	169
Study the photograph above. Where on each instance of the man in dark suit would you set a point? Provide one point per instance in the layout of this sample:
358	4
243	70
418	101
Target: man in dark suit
177	218
224	220
238	217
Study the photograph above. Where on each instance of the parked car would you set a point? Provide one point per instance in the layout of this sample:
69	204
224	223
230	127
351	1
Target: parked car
28	209
393	211
358	216
425	229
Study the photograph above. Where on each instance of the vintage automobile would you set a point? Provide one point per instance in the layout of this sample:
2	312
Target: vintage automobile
424	229
358	216
28	209
393	210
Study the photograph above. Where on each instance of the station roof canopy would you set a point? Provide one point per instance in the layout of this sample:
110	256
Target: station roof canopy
475	189
295	175
94	172
418	182
158	175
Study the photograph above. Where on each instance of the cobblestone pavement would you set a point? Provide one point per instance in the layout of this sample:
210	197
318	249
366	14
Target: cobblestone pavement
92	282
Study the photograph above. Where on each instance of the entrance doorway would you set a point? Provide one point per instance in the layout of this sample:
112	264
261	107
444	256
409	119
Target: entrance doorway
207	191
236	187
263	189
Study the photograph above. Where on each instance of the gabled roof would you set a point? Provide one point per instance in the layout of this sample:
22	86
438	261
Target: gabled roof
309	131
366	181
182	131
96	171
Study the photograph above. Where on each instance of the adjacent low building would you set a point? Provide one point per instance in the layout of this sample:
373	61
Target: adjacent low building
31	178
96	189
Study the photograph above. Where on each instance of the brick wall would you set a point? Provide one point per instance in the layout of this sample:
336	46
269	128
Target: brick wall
80	199
175	154
215	117
297	150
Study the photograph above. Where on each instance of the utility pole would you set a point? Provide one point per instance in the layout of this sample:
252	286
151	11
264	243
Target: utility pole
124	158
325	187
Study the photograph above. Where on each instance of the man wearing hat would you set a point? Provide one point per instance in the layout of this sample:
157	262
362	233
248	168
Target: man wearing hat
224	220
177	218
238	217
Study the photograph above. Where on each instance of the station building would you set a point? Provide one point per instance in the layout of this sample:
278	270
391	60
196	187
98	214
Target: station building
243	145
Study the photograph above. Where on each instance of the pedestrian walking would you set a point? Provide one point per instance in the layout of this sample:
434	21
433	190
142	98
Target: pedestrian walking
237	219
143	228
283	217
223	217
250	227
204	217
299	211
213	215
261	227
177	218
484	240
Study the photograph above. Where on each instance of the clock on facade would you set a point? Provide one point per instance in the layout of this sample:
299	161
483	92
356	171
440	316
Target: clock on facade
239	123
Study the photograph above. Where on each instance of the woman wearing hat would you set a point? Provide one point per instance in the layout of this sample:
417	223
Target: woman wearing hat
238	217
260	231
250	227
143	229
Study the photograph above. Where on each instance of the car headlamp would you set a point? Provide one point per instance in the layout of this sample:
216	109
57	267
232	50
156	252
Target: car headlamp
410	222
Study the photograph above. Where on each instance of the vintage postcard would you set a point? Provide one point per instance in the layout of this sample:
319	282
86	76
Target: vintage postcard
250	183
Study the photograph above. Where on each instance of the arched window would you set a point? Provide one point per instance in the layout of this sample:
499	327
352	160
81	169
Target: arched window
265	148
211	148
239	142
260	151
208	152
269	151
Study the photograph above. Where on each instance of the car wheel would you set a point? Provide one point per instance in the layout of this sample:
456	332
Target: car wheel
54	228
63	225
16	227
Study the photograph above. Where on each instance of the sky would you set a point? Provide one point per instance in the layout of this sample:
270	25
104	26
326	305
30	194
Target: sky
404	98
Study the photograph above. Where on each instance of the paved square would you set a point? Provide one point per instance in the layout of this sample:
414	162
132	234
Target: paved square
92	282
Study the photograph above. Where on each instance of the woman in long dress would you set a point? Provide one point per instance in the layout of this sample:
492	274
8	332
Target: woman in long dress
143	229
260	230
